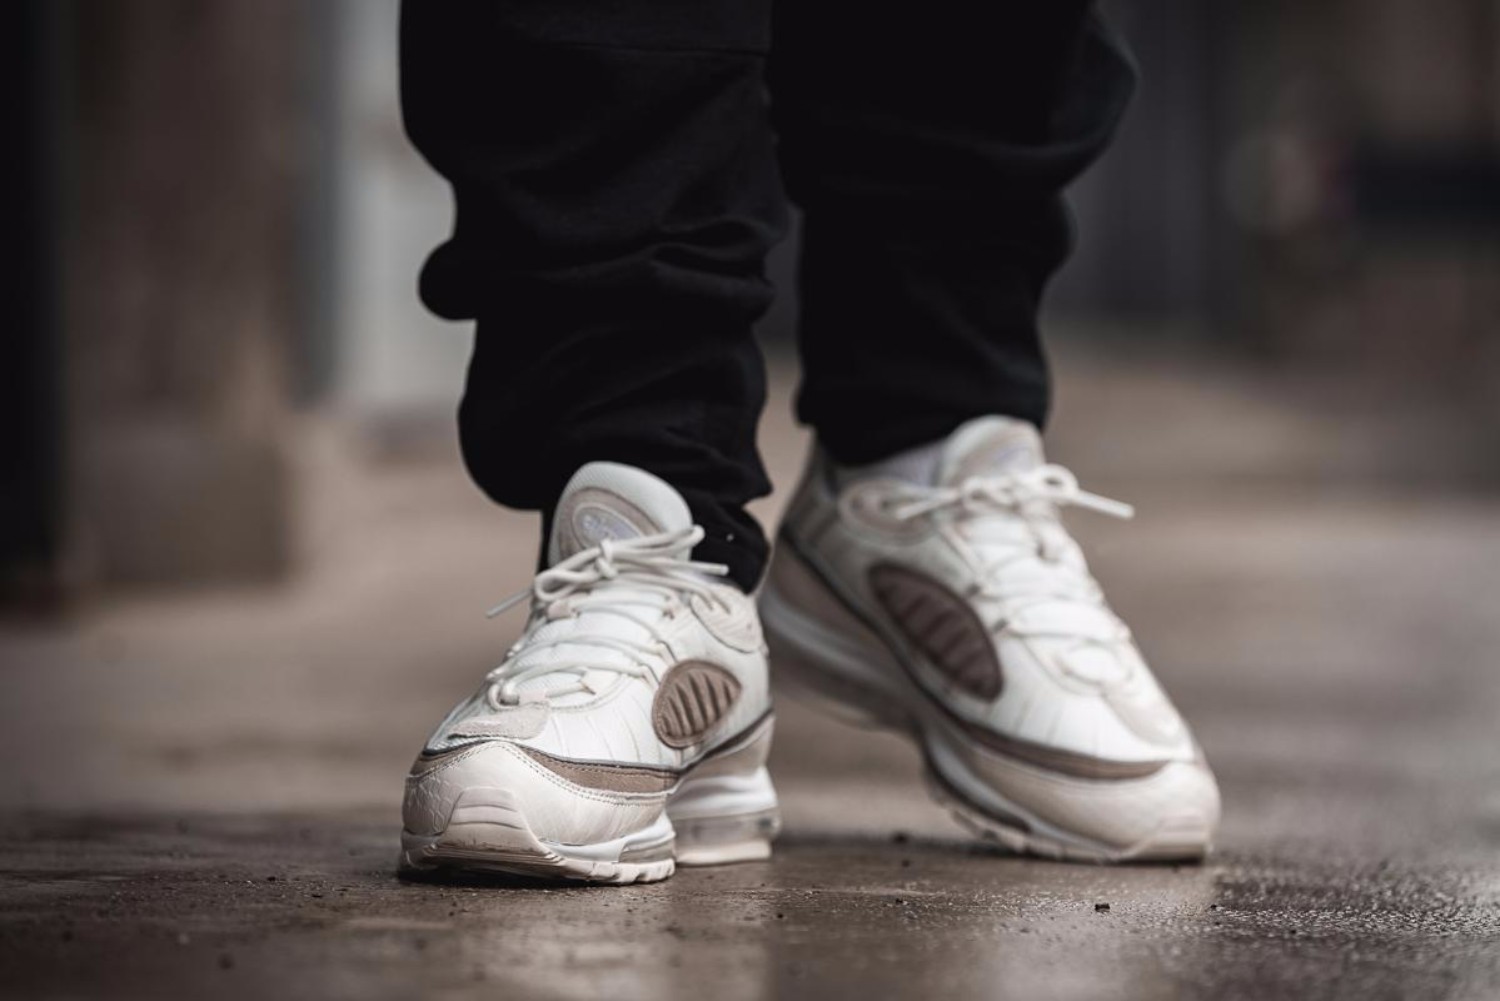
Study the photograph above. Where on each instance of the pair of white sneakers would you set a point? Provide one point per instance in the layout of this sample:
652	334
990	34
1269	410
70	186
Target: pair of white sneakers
627	730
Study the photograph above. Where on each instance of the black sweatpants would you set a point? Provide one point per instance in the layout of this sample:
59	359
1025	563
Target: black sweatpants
618	185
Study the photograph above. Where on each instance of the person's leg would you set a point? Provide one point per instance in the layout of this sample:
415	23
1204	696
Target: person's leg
929	152
616	195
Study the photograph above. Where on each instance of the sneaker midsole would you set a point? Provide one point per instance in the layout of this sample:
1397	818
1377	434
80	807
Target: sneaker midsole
723	810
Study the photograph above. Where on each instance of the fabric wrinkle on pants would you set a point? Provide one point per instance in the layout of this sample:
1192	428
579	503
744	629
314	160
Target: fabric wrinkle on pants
618	185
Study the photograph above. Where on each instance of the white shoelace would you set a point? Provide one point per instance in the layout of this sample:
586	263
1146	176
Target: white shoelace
1033	496
612	578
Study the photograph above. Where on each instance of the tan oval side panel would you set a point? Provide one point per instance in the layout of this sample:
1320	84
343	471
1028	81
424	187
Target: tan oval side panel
941	625
692	698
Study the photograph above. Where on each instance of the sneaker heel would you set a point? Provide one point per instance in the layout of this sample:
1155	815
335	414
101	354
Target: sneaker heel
725	818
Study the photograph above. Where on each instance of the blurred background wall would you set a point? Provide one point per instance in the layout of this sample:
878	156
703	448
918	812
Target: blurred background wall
216	222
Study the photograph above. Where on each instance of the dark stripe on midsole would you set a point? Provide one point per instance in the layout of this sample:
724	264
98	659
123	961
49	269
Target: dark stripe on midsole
990	813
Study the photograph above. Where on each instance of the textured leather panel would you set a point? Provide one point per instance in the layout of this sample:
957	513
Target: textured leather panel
942	626
692	698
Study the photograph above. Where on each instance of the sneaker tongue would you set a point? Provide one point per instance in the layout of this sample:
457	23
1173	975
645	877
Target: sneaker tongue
607	500
985	446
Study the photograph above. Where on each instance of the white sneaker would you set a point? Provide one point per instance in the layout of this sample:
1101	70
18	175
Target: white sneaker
938	593
627	729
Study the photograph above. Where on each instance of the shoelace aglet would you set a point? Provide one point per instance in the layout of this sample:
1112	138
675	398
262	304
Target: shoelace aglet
508	603
1104	505
712	569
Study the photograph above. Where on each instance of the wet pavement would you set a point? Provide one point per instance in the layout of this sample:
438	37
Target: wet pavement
200	793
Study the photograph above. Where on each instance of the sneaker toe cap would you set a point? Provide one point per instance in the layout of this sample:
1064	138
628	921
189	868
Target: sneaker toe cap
468	784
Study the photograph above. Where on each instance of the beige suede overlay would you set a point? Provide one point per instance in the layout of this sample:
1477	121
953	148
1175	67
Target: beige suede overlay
693	696
942	625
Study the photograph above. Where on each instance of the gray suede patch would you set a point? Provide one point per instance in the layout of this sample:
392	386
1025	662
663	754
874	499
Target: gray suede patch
517	722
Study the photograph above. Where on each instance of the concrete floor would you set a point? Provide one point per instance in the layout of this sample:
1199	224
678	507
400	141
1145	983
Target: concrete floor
199	793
